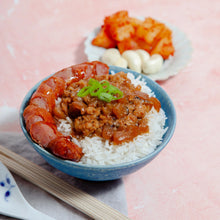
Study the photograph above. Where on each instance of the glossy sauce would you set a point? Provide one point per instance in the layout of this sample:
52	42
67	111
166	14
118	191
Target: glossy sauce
118	121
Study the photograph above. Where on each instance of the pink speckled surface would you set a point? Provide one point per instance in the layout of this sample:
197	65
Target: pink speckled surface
40	37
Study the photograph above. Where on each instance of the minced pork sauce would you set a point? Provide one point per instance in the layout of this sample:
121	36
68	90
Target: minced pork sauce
118	121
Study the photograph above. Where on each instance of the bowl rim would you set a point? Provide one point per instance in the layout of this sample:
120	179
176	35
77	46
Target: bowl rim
110	166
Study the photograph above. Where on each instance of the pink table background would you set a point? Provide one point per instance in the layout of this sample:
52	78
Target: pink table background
38	38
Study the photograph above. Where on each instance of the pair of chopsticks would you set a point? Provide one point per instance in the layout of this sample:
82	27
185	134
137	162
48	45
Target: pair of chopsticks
78	199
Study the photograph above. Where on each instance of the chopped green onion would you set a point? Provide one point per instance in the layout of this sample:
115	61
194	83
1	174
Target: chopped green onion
96	90
84	91
103	90
93	82
105	97
104	83
119	93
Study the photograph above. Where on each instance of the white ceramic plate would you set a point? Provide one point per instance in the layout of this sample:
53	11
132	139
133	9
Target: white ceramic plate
171	67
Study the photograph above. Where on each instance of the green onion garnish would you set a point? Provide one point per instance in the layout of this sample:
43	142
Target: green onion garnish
103	90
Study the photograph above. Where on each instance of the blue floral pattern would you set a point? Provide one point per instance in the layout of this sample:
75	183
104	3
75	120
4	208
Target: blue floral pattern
6	184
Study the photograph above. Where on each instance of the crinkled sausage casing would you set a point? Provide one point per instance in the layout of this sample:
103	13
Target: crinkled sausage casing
38	115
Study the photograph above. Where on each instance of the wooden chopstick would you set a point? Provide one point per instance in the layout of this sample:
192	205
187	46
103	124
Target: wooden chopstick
80	200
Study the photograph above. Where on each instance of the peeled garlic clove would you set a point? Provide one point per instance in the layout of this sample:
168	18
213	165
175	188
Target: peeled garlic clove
110	56
121	62
143	54
153	65
133	59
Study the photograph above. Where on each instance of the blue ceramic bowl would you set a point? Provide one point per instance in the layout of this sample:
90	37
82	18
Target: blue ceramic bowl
108	172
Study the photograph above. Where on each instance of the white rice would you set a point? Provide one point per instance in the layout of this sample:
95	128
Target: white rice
100	152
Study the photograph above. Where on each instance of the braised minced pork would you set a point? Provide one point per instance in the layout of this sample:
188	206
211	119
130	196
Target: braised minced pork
118	121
